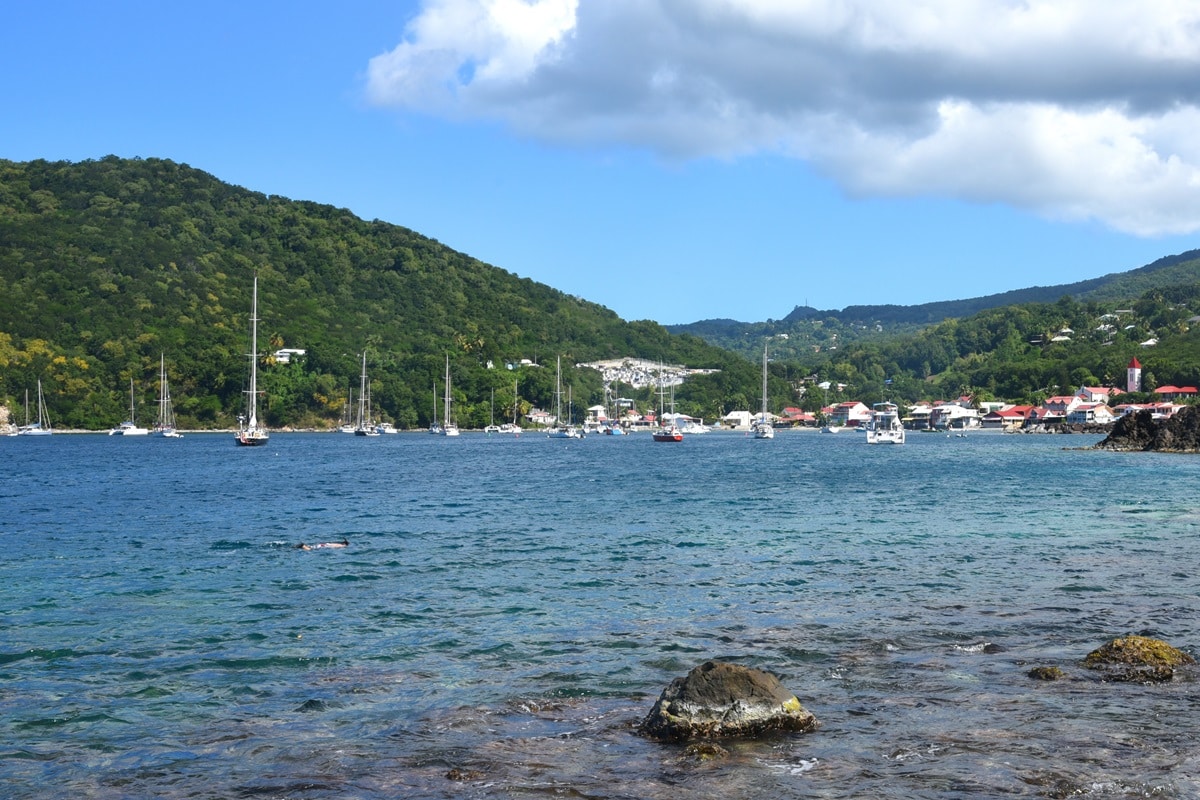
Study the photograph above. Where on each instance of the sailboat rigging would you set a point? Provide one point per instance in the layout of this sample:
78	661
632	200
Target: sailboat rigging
42	426
492	426
364	427
513	427
165	427
250	433
669	433
449	427
129	427
561	430
762	426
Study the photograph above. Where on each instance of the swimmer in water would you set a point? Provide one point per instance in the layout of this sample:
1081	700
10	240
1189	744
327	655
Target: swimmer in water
343	543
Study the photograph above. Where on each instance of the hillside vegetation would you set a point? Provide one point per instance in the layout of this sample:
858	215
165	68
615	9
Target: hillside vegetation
105	265
1025	352
806	330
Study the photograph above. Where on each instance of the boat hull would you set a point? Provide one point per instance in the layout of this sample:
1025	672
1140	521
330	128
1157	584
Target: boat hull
129	430
251	438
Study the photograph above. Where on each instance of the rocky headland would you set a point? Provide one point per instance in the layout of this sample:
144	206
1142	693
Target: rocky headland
1141	432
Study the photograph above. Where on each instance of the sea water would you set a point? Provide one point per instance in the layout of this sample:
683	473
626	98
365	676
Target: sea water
507	610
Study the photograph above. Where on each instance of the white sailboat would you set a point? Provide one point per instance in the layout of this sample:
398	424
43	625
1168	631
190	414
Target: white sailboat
561	430
613	426
513	427
762	426
671	432
129	427
250	433
449	427
364	426
42	426
435	427
492	426
165	427
346	423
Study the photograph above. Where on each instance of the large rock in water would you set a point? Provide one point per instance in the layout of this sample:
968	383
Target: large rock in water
1140	431
718	700
1137	659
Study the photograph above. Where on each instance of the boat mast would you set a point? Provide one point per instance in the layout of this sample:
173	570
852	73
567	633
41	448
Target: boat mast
558	394
43	415
446	406
764	396
362	392
253	421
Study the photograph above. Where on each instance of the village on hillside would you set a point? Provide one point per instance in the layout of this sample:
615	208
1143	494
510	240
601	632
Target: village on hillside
1091	407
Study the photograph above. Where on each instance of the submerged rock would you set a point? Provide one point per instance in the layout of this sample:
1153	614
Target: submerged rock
1046	673
1177	434
705	751
717	699
1137	659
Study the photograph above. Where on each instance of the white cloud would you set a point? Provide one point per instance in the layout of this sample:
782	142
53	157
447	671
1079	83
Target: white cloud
1073	109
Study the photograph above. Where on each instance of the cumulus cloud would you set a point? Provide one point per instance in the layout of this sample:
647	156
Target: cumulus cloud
1073	109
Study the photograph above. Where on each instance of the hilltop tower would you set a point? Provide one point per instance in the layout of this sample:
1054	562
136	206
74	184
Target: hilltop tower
1133	376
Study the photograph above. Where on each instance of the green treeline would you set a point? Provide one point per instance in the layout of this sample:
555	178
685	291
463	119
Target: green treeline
106	264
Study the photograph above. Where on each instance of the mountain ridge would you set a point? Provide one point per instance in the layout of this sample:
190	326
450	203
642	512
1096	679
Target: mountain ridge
806	326
939	310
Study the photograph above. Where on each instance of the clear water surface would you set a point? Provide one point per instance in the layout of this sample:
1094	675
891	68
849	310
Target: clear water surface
508	609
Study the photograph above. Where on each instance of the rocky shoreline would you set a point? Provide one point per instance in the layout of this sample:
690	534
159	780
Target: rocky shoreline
1140	432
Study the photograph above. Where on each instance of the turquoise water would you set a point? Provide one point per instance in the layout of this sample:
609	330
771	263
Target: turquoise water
508	609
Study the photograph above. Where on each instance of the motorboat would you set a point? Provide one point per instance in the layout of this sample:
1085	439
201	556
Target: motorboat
885	426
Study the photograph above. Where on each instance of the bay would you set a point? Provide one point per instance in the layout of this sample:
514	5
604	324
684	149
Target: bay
507	610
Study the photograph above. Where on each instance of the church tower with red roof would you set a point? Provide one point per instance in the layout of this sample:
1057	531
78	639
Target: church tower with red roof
1133	376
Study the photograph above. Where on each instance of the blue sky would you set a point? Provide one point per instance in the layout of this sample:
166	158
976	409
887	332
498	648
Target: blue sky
670	160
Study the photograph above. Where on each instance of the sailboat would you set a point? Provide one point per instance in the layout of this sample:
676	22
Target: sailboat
129	427
165	426
435	427
449	428
250	433
762	427
42	426
561	430
364	427
492	426
346	423
613	426
670	433
513	427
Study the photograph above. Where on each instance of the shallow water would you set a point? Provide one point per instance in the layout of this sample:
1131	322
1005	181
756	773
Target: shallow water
508	609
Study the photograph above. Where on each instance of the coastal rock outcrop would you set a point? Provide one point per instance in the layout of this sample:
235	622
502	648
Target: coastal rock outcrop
1046	673
718	699
1138	659
1177	434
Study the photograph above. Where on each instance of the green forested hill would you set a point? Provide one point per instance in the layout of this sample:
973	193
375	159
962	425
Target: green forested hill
106	264
1025	352
808	328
